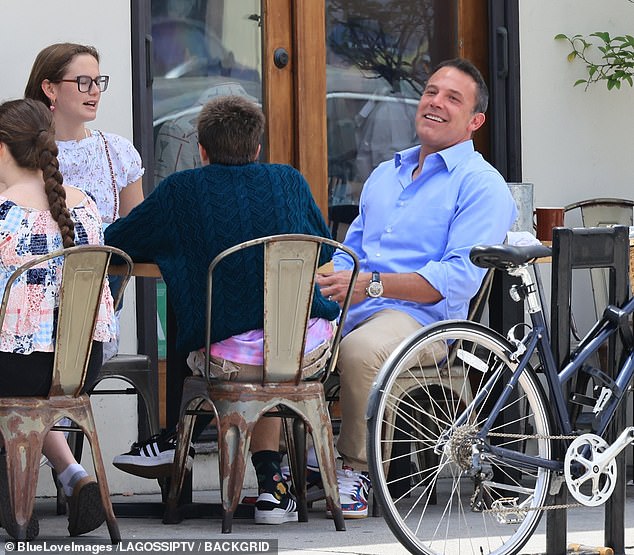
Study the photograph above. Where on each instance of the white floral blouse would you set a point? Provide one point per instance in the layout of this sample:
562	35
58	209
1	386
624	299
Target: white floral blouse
84	165
25	233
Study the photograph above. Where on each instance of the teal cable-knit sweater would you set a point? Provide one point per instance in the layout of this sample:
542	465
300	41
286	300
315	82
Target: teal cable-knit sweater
195	214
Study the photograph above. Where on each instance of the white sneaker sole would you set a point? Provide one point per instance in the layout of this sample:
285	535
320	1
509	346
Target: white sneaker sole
148	467
350	515
276	516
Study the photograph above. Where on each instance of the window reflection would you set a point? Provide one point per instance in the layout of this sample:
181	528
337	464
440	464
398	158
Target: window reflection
379	55
201	49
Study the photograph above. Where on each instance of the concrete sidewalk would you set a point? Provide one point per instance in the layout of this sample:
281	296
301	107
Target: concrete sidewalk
369	536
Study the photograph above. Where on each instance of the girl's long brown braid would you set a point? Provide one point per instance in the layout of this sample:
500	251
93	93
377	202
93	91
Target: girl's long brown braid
55	193
26	128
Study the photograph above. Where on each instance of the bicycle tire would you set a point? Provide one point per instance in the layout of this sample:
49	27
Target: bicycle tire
464	518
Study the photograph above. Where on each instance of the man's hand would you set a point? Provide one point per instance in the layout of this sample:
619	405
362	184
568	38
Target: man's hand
407	287
334	285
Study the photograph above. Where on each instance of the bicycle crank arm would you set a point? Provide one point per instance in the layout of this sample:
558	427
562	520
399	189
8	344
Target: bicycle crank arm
602	460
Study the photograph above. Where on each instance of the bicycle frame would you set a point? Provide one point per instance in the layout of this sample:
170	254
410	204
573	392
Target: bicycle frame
537	339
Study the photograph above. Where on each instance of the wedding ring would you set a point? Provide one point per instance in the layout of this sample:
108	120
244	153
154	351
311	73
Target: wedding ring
330	297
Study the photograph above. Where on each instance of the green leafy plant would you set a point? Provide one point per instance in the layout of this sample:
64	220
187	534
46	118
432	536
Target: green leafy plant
614	64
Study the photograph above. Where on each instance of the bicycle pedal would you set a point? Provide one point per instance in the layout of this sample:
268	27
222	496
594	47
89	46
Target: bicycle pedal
507	511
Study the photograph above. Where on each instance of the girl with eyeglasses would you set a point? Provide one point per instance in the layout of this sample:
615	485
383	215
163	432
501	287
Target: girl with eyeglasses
66	77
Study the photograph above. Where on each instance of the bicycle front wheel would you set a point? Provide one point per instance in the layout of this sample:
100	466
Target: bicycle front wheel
438	492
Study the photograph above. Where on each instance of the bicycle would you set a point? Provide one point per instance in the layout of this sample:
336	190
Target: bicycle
470	406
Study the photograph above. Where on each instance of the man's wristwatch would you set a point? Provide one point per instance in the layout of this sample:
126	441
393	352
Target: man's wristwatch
375	287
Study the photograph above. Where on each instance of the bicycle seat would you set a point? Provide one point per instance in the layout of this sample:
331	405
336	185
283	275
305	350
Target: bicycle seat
503	257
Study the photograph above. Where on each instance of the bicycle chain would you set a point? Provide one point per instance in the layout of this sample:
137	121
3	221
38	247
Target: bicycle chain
529	436
541	507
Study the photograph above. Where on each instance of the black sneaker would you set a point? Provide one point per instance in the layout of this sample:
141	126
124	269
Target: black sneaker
152	458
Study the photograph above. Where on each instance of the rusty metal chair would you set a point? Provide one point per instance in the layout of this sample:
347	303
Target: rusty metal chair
290	264
25	421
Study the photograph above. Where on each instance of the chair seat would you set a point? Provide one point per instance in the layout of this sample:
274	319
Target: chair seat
120	364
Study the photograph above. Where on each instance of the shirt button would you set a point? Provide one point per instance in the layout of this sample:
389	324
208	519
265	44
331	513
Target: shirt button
378	255
388	229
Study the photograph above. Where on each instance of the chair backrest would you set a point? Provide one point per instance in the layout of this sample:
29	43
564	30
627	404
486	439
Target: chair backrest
84	272
290	266
602	212
479	300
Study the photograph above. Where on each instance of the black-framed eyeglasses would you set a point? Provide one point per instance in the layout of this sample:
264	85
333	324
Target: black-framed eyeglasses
84	82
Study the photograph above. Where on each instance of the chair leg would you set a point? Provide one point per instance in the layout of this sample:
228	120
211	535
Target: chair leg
233	451
22	463
376	508
172	514
100	471
60	502
325	451
299	467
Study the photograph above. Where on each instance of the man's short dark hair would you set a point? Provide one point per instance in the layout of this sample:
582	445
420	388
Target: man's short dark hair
464	65
230	129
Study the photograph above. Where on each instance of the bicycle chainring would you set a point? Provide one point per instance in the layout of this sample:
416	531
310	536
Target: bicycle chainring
588	483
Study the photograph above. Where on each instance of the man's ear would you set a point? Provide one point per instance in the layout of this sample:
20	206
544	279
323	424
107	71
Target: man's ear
477	121
203	154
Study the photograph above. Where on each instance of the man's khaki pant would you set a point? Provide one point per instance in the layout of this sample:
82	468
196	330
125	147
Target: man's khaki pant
362	352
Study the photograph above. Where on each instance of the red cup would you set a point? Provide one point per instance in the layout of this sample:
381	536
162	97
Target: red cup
545	219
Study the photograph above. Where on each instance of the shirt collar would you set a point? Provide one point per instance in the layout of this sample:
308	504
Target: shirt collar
451	156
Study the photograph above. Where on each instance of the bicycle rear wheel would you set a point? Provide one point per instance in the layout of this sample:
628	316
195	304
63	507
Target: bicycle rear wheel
444	499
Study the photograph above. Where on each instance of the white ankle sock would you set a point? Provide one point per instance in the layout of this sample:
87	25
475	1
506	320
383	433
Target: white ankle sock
70	476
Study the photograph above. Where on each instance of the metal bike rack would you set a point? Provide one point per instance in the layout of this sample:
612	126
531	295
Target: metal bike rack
585	248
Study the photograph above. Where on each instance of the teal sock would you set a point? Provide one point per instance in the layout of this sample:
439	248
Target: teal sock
70	476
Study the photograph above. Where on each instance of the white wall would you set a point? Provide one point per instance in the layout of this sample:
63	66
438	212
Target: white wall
576	144
27	26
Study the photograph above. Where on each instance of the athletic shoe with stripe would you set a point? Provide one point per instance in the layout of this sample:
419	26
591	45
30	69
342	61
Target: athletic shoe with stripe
152	458
276	507
354	488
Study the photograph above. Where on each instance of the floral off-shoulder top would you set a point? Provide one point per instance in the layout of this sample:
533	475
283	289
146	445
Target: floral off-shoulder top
26	233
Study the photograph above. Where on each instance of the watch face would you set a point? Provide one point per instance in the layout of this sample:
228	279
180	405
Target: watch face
375	289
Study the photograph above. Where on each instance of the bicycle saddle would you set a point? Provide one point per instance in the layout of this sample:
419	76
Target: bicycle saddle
503	257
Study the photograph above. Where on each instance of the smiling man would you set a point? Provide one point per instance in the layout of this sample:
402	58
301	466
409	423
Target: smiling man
419	216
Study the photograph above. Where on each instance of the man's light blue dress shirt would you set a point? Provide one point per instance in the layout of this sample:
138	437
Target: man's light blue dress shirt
428	226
